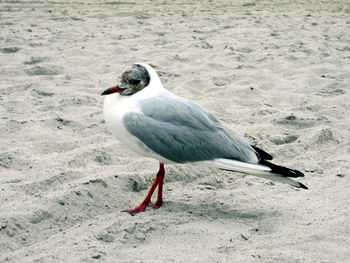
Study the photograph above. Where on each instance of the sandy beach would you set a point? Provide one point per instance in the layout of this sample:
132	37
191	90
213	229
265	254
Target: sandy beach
276	72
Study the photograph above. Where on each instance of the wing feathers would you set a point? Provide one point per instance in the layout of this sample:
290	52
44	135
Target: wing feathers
182	131
258	170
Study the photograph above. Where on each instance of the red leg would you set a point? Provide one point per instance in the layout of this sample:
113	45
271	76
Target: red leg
160	175
147	202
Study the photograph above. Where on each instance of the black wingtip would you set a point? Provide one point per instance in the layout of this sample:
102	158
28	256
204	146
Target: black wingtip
298	173
303	186
262	154
281	170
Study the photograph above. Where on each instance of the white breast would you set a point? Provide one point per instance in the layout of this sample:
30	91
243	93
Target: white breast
114	108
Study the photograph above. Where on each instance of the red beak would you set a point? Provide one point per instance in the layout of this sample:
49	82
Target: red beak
112	90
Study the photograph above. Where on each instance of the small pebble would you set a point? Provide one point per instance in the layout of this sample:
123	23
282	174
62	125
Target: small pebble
244	237
276	258
61	201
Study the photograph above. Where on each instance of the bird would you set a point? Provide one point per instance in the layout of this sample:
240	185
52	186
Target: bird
155	123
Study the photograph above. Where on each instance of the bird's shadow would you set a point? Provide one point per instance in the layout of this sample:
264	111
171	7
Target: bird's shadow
217	211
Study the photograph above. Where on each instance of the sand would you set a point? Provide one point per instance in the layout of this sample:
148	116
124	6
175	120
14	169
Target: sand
277	72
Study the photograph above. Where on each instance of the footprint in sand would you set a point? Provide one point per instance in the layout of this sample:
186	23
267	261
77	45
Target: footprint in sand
41	93
334	89
221	81
297	123
86	157
10	160
42	70
284	140
34	60
9	50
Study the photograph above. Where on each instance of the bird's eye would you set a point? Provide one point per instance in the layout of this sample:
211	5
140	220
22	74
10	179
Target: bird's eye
134	81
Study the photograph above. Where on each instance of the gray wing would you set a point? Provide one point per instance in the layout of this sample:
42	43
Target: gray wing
182	131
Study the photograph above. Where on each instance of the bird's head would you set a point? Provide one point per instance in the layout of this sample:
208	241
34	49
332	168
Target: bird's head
135	78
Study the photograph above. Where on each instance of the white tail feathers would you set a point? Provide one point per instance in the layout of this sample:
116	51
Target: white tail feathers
249	168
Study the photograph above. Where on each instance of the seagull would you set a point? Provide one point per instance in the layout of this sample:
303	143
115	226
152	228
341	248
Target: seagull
156	123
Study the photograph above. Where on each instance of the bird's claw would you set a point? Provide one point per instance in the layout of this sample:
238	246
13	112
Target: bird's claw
142	207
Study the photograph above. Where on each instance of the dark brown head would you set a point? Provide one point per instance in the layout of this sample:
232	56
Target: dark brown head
132	80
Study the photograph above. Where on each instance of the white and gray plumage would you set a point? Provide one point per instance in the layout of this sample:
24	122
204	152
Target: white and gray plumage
155	123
